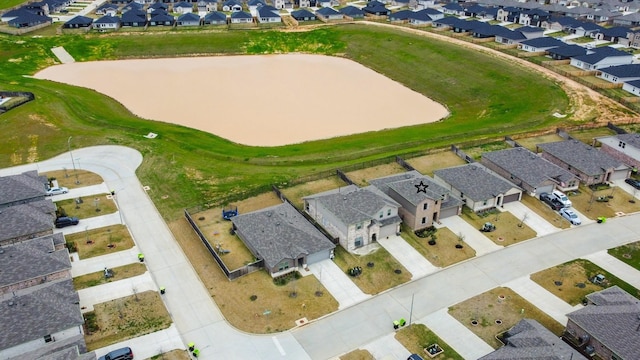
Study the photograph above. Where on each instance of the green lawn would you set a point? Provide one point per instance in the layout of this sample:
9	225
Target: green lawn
6	4
487	97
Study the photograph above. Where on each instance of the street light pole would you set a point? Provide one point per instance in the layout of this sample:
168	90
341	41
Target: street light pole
115	197
411	311
72	161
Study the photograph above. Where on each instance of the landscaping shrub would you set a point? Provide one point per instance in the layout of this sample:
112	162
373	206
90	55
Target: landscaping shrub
426	232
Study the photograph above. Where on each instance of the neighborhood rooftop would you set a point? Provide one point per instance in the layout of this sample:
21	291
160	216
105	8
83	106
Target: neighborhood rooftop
280	232
475	181
581	156
405	185
21	186
528	166
31	259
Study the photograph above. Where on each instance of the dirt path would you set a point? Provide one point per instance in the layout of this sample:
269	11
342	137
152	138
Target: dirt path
585	103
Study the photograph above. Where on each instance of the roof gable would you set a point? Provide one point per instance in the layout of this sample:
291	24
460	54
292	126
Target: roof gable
475	181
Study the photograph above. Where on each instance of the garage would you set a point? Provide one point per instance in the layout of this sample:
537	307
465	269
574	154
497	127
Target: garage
450	211
318	256
510	198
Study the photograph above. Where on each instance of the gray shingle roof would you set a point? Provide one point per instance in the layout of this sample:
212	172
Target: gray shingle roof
581	156
405	185
612	320
623	71
527	166
31	259
475	181
530	340
26	219
25	186
630	139
280	232
353	205
38	311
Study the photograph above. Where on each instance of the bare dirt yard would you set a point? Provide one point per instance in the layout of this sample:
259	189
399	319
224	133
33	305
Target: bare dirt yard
90	206
100	241
67	178
125	318
428	163
509	229
296	193
243	302
357	354
496	311
444	252
118	273
172	355
417	337
608	202
361	177
542	209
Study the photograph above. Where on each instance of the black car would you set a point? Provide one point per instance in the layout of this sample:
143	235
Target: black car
633	182
66	221
555	204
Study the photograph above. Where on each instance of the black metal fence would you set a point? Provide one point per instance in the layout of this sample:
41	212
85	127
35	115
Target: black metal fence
344	177
404	164
618	130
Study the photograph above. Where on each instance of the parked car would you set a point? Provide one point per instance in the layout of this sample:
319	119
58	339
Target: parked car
124	353
633	182
551	201
560	196
64	221
414	357
57	191
571	216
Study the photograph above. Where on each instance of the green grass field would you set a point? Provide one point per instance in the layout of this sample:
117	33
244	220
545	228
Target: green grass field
487	97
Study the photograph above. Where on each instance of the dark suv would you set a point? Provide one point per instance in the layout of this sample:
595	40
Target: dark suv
551	201
633	182
124	353
66	221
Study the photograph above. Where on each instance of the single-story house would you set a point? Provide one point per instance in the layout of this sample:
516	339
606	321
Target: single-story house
215	18
107	22
266	15
25	221
621	73
283	238
188	19
566	52
613	34
540	44
632	87
453	8
531	32
506	36
528	339
357	217
241	17
424	17
206	6
303	15
478	187
423	201
107	9
183	7
607	327
402	15
23	18
32	262
22	188
529	171
135	18
632	19
233	6
157	6
78	22
448	22
533	17
624	147
589	164
161	19
329	13
600	58
41	317
132	6
352	12
323	3
375	7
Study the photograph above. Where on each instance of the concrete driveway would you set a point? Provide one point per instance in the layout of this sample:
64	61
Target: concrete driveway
409	257
532	219
338	283
472	236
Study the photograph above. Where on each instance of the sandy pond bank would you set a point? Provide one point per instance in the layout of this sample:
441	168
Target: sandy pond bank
261	100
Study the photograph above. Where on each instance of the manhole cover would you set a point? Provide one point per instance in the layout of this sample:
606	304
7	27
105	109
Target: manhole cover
581	285
558	283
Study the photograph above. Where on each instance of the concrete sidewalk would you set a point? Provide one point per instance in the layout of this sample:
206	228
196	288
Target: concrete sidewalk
114	290
533	220
387	347
98	263
462	340
147	346
472	236
541	298
409	257
618	268
337	283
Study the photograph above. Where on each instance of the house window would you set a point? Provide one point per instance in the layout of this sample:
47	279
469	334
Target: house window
425	206
389	212
424	220
381	215
622	144
283	266
358	226
48	338
358	241
484	202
